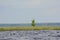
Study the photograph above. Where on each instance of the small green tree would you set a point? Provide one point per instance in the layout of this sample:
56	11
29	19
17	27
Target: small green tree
33	23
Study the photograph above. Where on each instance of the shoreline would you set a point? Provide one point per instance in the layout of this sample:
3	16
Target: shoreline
30	28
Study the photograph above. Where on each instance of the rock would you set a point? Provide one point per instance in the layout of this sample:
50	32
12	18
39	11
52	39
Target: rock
58	35
57	32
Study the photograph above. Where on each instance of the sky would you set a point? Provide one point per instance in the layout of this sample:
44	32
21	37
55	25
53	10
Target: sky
23	11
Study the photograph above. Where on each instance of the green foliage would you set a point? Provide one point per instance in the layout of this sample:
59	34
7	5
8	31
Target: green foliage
33	23
30	28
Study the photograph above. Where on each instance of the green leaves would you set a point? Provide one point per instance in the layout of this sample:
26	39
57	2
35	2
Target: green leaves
33	23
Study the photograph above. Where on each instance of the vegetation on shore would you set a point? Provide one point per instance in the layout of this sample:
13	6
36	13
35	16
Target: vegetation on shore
33	23
33	27
28	28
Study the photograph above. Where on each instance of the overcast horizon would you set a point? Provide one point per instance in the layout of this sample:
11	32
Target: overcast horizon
23	11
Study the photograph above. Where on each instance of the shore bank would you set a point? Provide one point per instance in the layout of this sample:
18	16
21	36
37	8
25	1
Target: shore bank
30	28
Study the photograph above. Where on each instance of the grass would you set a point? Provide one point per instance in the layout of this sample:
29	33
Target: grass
30	28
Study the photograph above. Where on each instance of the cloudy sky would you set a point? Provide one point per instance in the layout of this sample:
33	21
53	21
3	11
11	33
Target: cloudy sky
23	11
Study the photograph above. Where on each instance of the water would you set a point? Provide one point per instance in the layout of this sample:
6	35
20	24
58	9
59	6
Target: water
37	24
30	35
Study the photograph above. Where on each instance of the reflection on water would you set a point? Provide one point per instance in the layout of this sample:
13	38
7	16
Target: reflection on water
30	35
